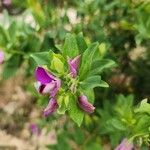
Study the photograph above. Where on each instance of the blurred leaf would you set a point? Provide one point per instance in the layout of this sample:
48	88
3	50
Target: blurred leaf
3	37
117	124
63	142
93	146
78	136
37	11
11	66
12	31
142	126
143	108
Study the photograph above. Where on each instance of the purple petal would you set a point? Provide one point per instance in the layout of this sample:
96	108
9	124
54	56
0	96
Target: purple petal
85	105
50	87
35	129
74	65
57	86
51	107
45	88
124	145
2	57
43	76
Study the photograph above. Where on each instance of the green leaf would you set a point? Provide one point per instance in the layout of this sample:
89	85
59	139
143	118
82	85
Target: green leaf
124	107
12	31
66	100
92	146
81	43
37	11
102	49
92	82
99	66
70	47
42	58
62	142
143	108
87	60
62	109
11	66
103	84
142	126
117	124
57	63
63	102
3	37
48	42
74	111
78	135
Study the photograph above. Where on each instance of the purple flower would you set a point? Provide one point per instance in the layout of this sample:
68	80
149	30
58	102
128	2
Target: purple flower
74	65
85	105
2	57
7	3
124	145
47	83
51	107
35	129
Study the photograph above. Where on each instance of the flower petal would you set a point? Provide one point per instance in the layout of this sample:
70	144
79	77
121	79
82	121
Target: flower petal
43	76
74	65
2	57
49	87
51	107
124	145
45	88
85	105
76	61
57	86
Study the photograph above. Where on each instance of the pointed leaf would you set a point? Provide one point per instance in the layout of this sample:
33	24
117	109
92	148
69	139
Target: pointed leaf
70	47
92	82
81	43
42	58
87	59
74	111
99	66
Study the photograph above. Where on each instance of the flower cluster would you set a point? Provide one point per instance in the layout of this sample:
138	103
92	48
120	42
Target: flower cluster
47	83
69	77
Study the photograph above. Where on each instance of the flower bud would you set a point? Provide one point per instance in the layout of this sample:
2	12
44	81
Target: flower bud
74	65
124	145
85	105
51	107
